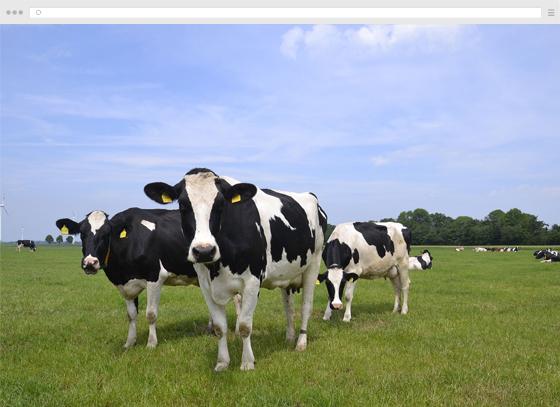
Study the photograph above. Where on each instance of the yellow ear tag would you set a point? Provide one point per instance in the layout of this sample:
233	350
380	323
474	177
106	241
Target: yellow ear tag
236	199
317	282
166	198
123	234
64	230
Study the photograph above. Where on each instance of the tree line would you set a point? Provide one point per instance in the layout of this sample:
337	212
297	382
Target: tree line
513	227
59	239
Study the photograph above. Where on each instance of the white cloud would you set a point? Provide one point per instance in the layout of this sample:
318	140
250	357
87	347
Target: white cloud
370	38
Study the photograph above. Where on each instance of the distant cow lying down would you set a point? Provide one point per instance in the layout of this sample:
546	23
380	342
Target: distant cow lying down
422	262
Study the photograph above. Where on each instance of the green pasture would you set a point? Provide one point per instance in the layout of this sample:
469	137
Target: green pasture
483	329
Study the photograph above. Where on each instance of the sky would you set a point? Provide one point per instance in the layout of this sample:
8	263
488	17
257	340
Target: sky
373	119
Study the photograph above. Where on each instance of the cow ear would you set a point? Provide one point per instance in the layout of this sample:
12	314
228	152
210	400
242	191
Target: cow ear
237	193
322	277
161	192
350	276
68	226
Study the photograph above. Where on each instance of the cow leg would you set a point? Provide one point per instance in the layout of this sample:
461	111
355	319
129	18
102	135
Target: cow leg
248	305
397	288
219	321
288	301
405	283
237	303
350	286
328	311
154	292
309	279
132	311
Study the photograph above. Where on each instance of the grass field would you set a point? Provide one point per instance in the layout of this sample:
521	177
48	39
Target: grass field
483	329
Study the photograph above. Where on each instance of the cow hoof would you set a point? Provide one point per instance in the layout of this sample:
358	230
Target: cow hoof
346	319
290	338
151	345
221	366
301	345
404	311
129	345
247	366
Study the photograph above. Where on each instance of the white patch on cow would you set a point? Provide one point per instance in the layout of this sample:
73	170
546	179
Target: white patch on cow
150	225
96	219
202	192
335	277
132	288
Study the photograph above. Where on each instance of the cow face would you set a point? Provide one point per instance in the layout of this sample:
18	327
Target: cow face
335	280
202	197
427	256
95	232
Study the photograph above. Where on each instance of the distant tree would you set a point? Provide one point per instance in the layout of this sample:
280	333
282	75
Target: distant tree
59	239
69	239
49	239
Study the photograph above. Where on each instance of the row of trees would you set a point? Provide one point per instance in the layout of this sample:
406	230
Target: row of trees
59	239
513	227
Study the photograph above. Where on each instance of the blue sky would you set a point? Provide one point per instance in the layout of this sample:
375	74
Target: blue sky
373	119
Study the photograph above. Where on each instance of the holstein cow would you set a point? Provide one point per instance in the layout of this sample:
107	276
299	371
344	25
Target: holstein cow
26	243
551	258
539	254
137	249
241	238
366	250
422	262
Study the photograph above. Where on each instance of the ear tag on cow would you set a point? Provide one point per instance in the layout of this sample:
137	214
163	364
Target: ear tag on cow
123	234
317	282
166	198
236	198
64	230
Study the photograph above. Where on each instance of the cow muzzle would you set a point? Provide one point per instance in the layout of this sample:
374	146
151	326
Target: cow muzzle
336	305
205	253
90	265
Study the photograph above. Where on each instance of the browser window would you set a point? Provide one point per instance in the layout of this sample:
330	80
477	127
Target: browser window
435	119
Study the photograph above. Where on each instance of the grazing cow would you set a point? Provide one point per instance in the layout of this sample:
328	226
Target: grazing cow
422	262
241	238
365	250
26	243
137	249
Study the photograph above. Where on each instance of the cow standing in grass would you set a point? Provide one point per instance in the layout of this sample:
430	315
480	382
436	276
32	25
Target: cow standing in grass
138	249
366	250
26	243
241	238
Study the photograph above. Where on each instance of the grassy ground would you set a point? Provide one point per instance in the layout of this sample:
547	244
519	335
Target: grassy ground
483	329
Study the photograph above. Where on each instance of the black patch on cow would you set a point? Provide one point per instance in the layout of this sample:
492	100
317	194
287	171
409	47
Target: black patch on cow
136	304
423	264
376	235
27	243
214	270
323	219
240	237
356	256
407	235
297	242
195	171
336	253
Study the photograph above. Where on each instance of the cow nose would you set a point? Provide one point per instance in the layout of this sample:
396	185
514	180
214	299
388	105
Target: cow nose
204	253
337	305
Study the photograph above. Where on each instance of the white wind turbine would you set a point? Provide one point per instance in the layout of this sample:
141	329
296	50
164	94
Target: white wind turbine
2	210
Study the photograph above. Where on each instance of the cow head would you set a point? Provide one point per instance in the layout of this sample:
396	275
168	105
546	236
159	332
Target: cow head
335	279
427	256
202	197
95	232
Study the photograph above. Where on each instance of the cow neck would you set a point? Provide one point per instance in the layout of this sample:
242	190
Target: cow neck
108	253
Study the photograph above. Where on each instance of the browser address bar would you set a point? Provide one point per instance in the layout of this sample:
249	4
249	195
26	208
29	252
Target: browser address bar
229	13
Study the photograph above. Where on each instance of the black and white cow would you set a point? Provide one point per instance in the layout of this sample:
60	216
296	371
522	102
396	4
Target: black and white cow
138	249
241	238
422	262
539	254
26	243
366	250
551	258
